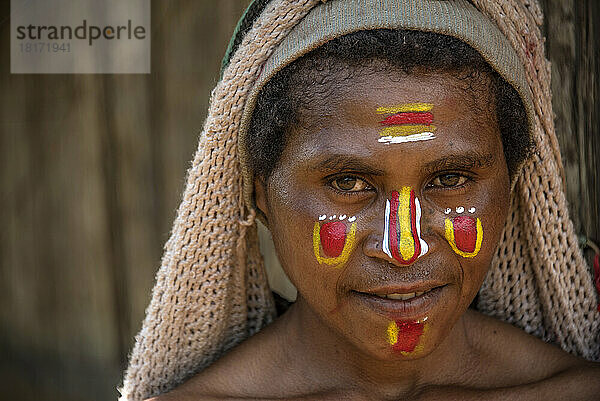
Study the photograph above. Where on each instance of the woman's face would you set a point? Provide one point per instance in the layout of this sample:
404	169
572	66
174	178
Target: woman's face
387	205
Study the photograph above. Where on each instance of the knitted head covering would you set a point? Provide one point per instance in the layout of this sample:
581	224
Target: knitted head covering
211	291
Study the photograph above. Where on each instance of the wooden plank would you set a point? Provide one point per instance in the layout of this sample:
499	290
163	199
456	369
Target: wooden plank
587	70
560	20
573	29
57	305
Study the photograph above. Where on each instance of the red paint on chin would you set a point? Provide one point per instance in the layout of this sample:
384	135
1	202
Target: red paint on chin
333	238
465	233
409	334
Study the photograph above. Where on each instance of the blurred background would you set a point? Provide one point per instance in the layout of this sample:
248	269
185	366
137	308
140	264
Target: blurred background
92	169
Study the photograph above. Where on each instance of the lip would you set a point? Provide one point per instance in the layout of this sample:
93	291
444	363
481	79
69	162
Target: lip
402	288
412	309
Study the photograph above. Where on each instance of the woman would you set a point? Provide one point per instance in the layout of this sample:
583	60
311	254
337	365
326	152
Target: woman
401	154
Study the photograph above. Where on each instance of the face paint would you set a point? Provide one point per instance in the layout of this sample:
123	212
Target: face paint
402	233
404	336
464	234
406	108
332	237
407	123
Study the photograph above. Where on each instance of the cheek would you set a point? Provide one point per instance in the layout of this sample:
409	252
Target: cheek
472	226
471	230
312	243
464	235
334	239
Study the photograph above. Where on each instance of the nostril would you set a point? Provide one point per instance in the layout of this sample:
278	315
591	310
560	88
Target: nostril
372	247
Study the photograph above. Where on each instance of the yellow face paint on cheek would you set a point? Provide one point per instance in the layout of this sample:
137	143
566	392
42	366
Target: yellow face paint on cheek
465	235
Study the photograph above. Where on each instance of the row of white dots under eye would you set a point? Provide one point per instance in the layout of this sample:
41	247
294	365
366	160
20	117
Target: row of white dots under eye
459	209
341	217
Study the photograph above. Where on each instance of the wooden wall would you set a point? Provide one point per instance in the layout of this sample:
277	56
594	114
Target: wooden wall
92	168
573	31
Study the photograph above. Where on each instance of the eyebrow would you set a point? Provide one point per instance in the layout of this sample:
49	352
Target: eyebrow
346	163
464	161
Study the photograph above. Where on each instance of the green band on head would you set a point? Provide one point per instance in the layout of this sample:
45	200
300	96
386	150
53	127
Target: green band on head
231	46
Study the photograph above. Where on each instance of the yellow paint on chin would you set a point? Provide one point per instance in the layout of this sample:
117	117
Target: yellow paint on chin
450	238
392	333
348	246
407	243
392	338
405	108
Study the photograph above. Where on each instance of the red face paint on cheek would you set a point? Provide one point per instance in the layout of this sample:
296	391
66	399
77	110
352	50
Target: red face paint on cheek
333	238
465	233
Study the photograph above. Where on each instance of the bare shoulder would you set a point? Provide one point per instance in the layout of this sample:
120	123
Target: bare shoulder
509	345
231	377
251	370
524	363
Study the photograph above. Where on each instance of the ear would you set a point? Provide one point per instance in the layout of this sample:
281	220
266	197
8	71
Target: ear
260	195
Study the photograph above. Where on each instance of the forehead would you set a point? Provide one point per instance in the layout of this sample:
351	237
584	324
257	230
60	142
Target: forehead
348	115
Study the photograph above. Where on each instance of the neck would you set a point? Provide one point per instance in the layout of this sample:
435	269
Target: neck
325	357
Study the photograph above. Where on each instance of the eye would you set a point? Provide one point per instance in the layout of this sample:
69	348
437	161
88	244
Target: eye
349	183
449	180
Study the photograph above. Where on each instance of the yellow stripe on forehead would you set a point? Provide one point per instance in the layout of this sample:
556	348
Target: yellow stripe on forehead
405	130
405	108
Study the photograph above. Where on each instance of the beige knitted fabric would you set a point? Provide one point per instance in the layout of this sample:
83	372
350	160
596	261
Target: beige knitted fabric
211	290
539	279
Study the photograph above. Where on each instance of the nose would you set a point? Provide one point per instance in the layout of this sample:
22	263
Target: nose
401	242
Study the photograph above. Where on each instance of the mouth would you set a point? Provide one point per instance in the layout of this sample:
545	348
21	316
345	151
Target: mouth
402	297
401	304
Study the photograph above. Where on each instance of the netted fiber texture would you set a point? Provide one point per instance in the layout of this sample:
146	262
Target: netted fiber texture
539	279
211	290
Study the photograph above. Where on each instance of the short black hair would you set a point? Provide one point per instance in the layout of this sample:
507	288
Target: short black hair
279	101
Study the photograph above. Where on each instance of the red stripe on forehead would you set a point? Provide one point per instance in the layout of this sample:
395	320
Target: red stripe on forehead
424	118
